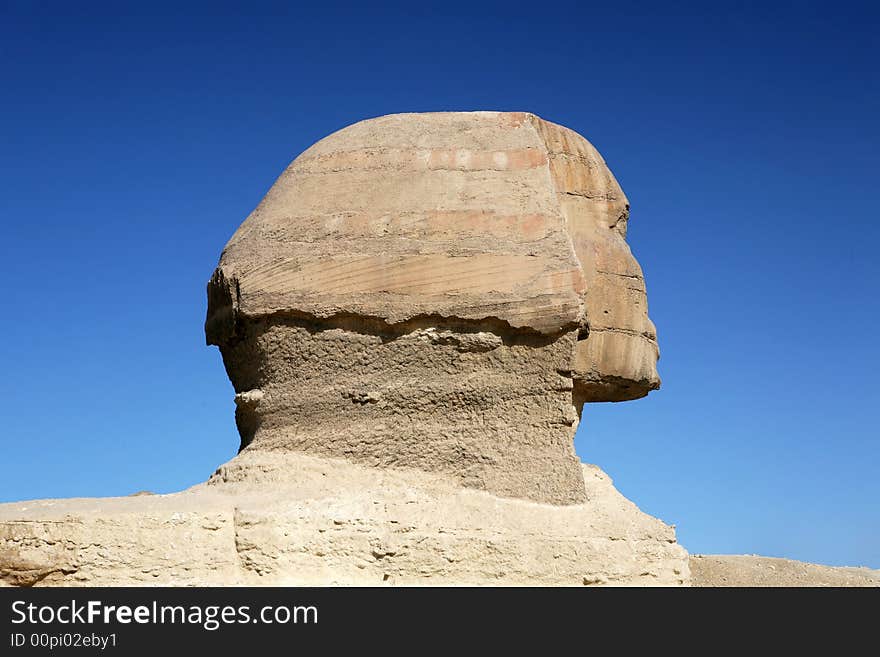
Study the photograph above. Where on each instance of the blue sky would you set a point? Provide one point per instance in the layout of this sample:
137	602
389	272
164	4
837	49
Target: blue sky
134	141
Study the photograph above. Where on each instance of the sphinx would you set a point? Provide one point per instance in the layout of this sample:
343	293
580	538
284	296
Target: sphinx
412	320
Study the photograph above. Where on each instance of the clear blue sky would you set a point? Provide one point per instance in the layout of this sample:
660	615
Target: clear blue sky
133	143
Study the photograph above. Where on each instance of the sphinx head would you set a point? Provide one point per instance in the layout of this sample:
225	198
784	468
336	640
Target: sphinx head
441	291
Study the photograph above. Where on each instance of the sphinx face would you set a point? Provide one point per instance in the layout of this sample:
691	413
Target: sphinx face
616	357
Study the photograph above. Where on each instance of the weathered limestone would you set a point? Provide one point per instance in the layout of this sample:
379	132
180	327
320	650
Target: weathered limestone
412	320
439	291
290	519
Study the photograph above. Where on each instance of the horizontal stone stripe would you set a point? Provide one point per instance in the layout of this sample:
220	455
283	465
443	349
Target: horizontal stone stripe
459	159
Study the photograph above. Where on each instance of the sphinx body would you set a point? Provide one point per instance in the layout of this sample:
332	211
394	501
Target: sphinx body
412	319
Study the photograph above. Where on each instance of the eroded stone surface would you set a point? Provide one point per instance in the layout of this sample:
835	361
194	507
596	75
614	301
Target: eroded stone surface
412	320
351	298
495	412
289	519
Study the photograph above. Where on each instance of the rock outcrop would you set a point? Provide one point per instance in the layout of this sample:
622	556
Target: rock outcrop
437	291
290	519
412	320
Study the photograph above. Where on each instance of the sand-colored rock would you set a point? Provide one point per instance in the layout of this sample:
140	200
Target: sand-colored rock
752	570
289	519
412	320
440	291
